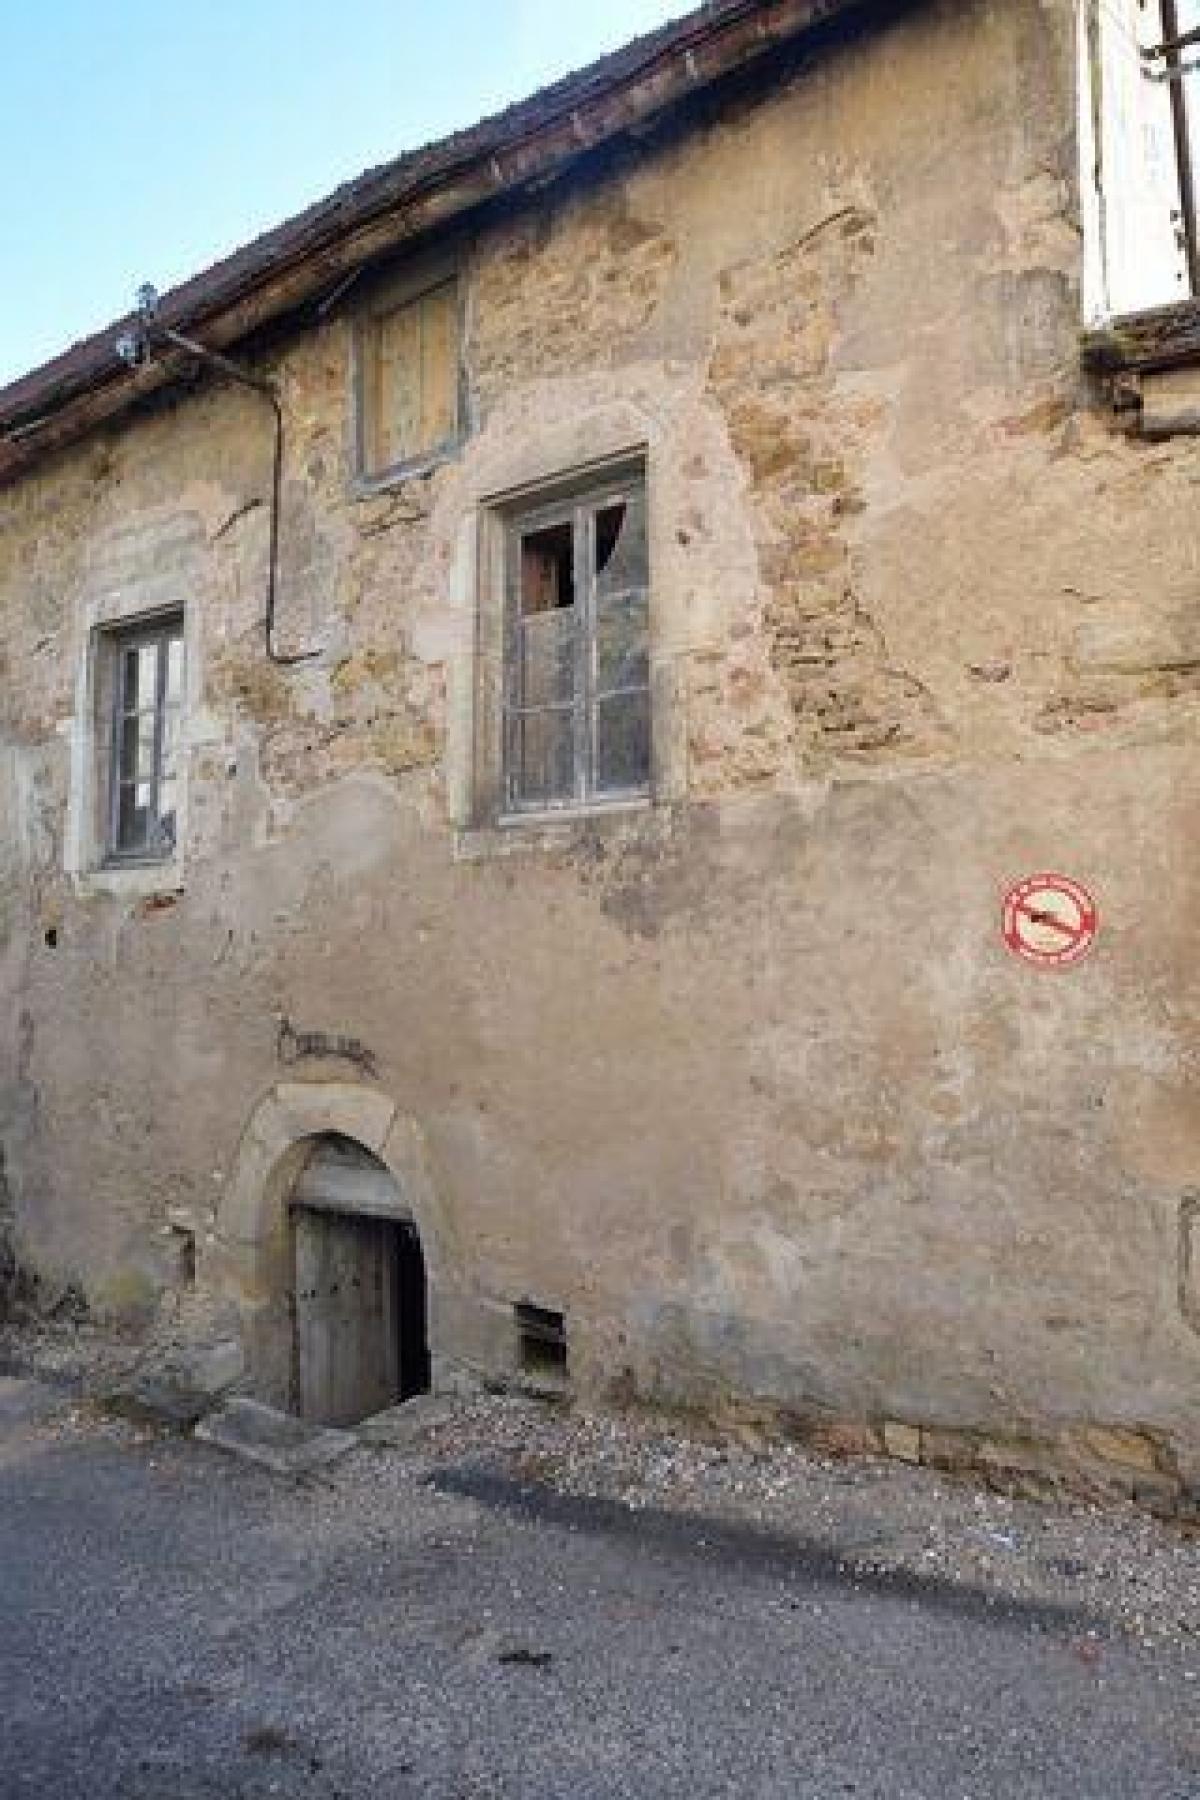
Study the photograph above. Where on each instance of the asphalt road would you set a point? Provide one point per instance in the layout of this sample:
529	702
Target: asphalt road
174	1624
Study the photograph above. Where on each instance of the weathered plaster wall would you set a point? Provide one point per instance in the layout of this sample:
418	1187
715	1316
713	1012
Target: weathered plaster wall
746	1083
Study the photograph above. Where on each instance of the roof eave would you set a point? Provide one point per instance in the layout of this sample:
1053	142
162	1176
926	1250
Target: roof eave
420	194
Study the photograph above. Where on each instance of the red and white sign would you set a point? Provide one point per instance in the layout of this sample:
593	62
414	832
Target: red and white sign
1050	920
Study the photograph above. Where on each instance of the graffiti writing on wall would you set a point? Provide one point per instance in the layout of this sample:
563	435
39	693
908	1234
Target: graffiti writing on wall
296	1046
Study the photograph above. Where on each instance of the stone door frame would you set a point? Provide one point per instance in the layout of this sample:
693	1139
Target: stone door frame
246	1263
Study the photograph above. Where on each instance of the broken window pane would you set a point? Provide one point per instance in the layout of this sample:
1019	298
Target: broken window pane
621	544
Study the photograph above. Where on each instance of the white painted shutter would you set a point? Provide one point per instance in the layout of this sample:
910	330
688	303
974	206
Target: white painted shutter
1188	20
1135	255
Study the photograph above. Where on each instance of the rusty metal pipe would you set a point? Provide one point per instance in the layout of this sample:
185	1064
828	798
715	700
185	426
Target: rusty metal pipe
259	385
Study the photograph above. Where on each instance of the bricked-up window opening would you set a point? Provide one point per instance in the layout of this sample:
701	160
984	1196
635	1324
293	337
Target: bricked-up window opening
1139	136
144	765
409	395
577	657
541	1339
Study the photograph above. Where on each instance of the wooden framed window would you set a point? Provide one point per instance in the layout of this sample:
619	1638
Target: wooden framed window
576	700
408	375
146	684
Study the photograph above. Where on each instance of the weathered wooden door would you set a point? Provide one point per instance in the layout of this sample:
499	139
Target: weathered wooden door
347	1324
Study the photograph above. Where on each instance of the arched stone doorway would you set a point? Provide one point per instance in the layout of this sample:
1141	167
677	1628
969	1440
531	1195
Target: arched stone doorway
358	1290
248	1263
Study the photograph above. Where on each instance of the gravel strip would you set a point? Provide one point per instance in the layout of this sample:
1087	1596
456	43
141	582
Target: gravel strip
1135	1575
1138	1575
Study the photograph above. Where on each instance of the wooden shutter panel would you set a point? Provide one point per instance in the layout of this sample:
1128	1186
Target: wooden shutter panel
1135	253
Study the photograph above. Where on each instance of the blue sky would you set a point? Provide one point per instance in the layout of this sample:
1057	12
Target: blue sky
140	141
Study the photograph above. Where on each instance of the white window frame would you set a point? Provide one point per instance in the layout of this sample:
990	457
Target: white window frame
88	735
160	630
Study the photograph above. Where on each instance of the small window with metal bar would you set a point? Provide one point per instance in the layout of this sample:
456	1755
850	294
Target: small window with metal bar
146	681
1139	70
576	705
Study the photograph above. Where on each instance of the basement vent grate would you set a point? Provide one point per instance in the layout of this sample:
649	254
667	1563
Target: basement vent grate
541	1339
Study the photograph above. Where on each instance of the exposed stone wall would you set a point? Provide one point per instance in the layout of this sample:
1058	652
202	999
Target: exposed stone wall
745	1084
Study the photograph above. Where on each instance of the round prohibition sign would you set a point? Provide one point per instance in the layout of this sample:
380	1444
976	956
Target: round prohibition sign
1050	921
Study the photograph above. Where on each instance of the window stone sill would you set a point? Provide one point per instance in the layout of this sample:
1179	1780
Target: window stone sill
132	881
388	481
524	834
1165	338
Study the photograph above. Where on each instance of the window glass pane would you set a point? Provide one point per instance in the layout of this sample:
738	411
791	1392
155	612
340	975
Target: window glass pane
578	711
166	815
174	671
137	747
147	740
622	641
147	677
623	743
542	757
621	544
170	740
129	749
132	816
547	569
137	681
145	746
544	669
143	765
622	645
622	651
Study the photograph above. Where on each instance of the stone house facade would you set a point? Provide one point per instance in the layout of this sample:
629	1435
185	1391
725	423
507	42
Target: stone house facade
712	563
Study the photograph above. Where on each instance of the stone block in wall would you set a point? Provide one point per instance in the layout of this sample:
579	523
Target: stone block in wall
902	1441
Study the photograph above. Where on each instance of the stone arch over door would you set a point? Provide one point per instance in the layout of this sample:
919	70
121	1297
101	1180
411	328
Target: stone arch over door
247	1262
